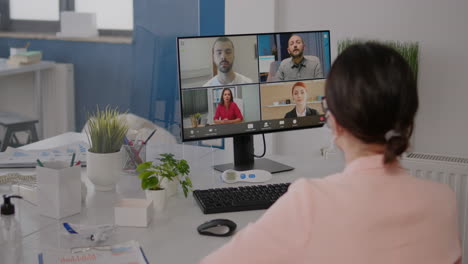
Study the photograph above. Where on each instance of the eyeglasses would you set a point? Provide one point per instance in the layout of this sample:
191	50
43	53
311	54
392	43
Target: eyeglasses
325	110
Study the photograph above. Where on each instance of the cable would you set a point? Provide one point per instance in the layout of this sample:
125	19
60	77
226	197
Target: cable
264	148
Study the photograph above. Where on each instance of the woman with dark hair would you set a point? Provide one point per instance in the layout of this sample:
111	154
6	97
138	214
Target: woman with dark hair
373	211
299	96
227	111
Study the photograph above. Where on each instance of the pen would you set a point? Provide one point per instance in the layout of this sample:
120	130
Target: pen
78	163
73	159
144	142
39	163
149	137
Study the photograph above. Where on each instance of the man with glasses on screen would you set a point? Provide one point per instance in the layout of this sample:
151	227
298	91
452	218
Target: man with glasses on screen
223	58
297	66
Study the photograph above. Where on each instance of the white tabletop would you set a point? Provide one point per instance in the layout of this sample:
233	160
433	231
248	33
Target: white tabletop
171	237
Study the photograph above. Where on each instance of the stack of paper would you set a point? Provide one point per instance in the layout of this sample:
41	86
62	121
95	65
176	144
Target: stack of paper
129	252
25	58
18	158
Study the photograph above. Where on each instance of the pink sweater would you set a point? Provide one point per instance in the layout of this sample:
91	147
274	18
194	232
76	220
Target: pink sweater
366	214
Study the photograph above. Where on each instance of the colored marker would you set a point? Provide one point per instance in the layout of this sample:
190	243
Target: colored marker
73	159
39	163
149	137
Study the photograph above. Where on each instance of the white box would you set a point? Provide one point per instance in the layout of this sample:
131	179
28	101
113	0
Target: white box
58	189
133	212
74	24
14	51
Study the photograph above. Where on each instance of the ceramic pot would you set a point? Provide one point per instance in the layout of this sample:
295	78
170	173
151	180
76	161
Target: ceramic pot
104	169
170	186
158	197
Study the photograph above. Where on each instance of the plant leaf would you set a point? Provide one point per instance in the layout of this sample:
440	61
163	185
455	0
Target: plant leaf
146	174
144	166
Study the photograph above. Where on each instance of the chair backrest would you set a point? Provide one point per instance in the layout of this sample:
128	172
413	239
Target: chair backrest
274	65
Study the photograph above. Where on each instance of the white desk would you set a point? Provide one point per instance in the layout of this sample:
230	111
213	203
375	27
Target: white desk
171	236
6	70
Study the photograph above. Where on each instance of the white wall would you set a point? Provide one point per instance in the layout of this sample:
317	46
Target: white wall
244	16
439	27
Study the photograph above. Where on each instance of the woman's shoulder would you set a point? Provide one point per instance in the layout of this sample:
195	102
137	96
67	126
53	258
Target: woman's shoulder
291	113
311	111
435	189
314	185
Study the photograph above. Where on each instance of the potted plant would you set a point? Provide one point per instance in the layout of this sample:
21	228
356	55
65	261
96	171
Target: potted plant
408	50
106	133
169	170
195	119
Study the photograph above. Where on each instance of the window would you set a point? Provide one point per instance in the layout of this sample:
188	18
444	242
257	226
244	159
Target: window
111	14
113	17
34	10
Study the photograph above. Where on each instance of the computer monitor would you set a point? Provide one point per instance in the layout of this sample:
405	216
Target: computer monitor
241	85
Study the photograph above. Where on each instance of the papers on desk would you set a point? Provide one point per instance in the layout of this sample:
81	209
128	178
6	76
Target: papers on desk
18	158
129	252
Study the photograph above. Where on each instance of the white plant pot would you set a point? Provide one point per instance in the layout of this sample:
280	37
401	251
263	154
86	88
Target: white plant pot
158	197
170	186
104	169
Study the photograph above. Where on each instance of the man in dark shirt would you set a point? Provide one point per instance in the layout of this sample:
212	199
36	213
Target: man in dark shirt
297	66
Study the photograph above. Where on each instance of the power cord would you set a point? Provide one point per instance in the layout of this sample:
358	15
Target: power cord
264	148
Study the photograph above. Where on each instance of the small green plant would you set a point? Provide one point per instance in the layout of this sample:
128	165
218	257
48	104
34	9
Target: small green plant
105	130
169	168
195	119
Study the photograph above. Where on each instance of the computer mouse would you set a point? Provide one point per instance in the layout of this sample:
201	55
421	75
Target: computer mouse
217	227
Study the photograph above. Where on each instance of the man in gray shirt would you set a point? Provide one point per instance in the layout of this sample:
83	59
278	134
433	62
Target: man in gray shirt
297	66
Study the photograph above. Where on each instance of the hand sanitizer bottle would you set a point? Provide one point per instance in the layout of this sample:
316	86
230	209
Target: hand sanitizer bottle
10	233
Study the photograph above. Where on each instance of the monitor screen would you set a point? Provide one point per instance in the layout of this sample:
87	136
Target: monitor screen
249	84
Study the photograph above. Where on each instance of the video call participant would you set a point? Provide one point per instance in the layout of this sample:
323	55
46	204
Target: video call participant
223	58
297	66
373	211
299	96
227	111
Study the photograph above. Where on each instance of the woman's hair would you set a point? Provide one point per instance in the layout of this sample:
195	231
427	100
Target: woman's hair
221	101
372	93
301	84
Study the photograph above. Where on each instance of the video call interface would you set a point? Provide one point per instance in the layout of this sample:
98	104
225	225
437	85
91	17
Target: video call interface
248	84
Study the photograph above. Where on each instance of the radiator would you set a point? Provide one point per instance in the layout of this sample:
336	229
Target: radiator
448	170
58	100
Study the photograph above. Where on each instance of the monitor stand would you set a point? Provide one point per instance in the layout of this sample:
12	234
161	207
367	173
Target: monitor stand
244	158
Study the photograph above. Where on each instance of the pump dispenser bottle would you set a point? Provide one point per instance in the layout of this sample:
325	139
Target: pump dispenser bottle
10	233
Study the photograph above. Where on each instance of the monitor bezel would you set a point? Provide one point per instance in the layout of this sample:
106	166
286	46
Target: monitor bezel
185	139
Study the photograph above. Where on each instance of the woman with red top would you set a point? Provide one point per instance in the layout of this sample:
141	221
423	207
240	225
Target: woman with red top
227	111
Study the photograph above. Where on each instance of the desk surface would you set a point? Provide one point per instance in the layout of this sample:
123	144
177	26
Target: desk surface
171	236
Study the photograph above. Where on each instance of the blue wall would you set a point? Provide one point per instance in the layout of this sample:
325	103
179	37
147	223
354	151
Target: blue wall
103	74
134	76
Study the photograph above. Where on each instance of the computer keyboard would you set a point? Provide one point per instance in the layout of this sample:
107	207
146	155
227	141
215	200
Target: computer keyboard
244	198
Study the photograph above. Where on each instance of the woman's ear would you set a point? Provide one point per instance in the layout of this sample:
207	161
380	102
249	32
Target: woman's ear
334	126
